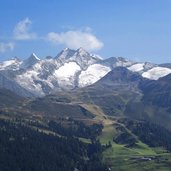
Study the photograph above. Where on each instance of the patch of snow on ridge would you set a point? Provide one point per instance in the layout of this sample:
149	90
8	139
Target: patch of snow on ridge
156	72
136	67
7	63
66	73
67	70
13	63
92	74
27	79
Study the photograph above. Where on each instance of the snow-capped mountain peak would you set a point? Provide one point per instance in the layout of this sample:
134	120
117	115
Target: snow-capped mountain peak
65	54
80	56
33	56
69	53
29	62
82	52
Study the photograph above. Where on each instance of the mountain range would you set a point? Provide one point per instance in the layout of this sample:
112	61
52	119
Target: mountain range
111	114
69	70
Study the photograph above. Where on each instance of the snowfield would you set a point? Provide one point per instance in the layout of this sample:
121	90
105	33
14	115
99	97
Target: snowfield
156	73
92	74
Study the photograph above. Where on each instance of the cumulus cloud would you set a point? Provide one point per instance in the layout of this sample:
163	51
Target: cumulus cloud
22	30
4	47
76	39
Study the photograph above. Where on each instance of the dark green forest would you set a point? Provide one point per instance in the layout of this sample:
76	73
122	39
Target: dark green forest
23	148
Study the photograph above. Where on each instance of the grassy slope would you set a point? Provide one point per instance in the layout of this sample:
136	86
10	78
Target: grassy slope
119	157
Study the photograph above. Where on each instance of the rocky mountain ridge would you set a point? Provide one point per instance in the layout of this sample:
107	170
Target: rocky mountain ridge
70	69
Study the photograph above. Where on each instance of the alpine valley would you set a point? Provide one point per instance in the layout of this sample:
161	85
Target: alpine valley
80	112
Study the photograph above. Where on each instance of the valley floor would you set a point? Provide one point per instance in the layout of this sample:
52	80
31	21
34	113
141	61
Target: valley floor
138	158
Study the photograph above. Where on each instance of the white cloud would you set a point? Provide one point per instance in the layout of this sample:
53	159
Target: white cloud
6	46
21	30
76	39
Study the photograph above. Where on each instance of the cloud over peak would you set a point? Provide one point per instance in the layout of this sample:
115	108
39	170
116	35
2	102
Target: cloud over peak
75	39
72	38
22	30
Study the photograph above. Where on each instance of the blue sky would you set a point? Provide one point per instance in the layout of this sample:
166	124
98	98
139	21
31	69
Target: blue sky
137	29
